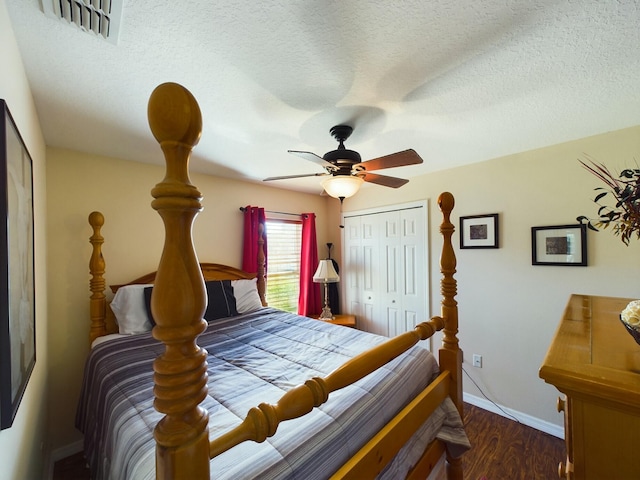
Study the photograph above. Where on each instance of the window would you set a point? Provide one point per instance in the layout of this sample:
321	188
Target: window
283	257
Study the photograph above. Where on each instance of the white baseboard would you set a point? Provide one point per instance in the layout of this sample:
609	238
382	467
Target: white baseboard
525	419
68	450
63	452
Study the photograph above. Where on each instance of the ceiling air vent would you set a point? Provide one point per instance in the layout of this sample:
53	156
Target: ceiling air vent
100	17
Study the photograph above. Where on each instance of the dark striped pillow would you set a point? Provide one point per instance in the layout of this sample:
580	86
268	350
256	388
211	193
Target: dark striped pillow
222	302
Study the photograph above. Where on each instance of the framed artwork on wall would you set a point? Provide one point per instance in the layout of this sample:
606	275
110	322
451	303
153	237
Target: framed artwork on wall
17	290
564	245
479	231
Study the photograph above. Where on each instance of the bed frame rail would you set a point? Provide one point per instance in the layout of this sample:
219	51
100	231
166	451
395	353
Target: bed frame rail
380	450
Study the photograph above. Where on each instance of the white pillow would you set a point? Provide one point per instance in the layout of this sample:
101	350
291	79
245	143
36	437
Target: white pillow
246	293
130	310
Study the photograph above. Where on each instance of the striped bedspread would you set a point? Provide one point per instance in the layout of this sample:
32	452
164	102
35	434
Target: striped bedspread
256	358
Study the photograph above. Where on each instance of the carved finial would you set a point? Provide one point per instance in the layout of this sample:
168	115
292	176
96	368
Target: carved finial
446	202
96	219
174	115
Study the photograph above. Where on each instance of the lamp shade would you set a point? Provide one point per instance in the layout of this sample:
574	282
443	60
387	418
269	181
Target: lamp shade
342	186
326	273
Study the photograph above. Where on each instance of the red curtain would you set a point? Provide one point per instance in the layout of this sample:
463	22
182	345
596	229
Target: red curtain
253	217
310	300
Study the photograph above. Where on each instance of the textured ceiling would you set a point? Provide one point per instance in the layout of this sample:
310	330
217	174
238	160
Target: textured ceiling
458	81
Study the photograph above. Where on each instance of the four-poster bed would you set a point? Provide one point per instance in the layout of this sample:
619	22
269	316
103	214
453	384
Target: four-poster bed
202	359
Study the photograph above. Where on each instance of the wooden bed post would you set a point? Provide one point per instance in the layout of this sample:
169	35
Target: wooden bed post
98	301
180	377
450	355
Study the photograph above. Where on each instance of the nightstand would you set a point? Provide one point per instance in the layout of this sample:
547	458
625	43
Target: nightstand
344	320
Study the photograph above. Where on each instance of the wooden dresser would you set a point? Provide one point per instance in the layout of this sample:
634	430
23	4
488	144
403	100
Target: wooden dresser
596	363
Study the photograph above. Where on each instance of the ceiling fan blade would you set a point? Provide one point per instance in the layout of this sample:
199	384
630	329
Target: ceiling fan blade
398	159
384	180
295	176
312	157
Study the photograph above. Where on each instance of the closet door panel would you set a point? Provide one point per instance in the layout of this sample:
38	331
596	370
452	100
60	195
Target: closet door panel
370	289
410	320
350	273
414	267
410	271
390	265
394	322
351	280
391	270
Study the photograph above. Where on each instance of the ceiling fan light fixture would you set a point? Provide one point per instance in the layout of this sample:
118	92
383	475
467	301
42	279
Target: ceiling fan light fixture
342	186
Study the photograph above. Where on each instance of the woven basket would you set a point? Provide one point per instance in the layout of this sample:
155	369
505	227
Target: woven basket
632	331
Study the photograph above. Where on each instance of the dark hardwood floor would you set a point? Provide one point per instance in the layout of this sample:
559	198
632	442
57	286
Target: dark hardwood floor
502	449
71	468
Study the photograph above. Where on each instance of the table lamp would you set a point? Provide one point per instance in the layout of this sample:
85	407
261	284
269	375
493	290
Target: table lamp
326	274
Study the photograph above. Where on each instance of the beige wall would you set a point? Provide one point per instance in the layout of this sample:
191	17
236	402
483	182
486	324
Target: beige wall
509	309
134	236
23	446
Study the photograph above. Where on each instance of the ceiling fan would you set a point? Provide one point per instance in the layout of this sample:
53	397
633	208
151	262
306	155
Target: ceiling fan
346	171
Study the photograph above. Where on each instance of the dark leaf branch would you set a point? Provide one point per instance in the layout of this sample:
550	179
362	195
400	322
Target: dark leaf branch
624	190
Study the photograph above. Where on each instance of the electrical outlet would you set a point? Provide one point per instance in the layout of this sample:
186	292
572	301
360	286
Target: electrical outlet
477	360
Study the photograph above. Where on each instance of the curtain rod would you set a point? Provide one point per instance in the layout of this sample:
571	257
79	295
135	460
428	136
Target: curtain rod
242	209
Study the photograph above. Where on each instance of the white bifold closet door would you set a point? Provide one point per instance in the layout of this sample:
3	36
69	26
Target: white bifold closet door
385	268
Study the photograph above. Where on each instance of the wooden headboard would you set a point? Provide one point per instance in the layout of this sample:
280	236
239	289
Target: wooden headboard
103	321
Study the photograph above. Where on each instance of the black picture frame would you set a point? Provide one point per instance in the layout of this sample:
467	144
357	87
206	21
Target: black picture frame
479	231
561	245
17	282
